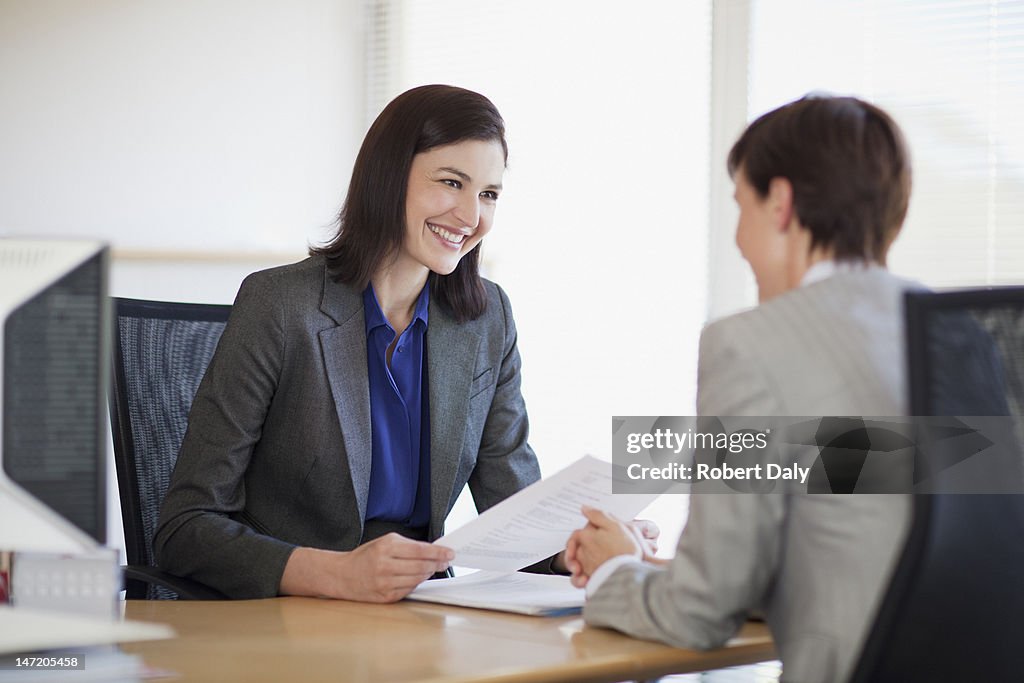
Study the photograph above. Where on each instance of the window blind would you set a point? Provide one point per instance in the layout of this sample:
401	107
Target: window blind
952	74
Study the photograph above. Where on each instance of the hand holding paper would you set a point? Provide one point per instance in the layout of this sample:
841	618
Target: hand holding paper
536	522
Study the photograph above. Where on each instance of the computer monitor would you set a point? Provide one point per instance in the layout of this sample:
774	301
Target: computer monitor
54	355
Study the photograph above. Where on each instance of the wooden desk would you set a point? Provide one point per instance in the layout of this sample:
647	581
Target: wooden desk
305	639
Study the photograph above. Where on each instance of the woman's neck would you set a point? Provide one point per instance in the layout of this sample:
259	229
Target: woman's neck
397	290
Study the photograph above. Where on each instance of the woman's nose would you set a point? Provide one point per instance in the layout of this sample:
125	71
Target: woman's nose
468	211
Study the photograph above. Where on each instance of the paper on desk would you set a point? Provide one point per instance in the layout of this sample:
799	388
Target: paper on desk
536	522
534	594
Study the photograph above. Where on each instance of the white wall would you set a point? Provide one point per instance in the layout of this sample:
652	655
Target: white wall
186	125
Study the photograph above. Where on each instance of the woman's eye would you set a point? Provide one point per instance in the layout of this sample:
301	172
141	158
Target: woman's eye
450	182
489	195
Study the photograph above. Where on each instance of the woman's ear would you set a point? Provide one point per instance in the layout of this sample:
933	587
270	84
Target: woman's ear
780	202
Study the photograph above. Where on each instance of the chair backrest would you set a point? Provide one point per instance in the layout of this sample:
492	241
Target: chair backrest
954	609
966	351
161	351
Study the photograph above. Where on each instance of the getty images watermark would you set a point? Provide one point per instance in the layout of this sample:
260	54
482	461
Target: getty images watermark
830	455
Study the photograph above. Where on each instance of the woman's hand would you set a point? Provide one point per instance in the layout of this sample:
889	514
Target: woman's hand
645	531
383	570
603	538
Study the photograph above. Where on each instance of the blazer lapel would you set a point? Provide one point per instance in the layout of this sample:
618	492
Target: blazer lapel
451	361
344	349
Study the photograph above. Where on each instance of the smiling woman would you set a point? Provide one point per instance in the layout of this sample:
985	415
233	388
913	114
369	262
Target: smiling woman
414	147
449	207
354	394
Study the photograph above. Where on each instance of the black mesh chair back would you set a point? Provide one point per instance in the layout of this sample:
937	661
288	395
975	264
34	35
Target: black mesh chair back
161	351
953	610
966	351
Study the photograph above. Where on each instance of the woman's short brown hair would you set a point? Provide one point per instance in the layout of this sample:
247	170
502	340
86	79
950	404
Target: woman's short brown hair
848	164
371	225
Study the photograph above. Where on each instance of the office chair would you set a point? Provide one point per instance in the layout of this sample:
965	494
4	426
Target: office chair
954	610
161	351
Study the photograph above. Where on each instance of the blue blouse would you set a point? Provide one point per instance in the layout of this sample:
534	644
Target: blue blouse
399	416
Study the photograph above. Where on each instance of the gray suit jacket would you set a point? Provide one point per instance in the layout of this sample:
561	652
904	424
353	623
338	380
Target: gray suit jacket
815	564
277	451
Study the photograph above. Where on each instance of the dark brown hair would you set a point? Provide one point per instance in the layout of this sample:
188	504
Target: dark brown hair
848	164
371	225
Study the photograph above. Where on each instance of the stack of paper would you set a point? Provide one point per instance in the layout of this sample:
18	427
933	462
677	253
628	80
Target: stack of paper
534	594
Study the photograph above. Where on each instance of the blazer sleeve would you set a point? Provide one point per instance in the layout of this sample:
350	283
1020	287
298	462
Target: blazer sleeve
197	536
728	553
505	462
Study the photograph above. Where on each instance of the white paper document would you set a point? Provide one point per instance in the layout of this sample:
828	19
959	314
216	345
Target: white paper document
534	594
536	522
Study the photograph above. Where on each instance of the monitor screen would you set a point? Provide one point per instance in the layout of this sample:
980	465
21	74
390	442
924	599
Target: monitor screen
53	361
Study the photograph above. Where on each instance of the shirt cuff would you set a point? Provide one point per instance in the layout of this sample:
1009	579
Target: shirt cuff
602	573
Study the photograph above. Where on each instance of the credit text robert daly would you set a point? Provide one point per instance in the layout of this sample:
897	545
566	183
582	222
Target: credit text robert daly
734	443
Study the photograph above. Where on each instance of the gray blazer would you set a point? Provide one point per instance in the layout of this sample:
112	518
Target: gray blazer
814	564
277	451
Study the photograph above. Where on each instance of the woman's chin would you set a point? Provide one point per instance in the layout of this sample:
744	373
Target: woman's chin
444	268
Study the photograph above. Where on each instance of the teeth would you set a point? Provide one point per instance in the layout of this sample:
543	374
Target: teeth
448	236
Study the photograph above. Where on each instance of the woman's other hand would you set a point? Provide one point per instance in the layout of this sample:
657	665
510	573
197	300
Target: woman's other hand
648	533
383	570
